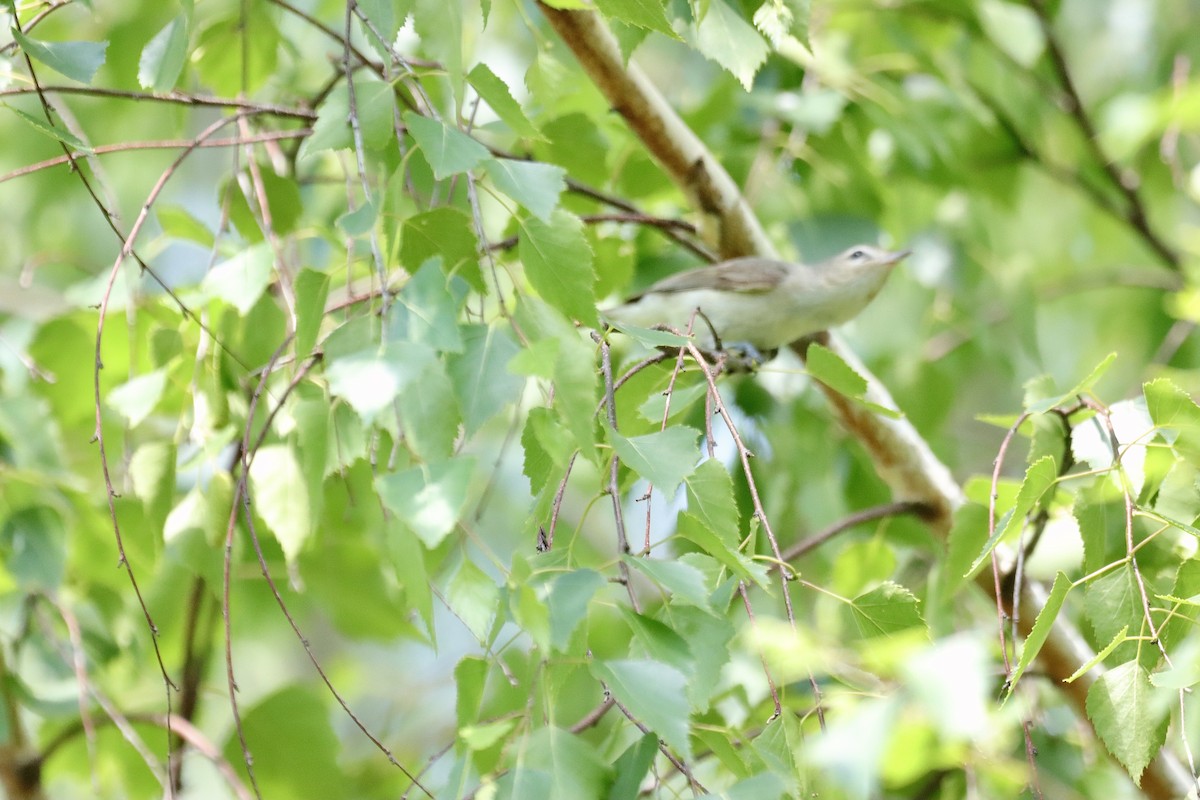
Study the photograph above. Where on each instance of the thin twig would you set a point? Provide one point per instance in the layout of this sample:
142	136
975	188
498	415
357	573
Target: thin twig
806	545
614	487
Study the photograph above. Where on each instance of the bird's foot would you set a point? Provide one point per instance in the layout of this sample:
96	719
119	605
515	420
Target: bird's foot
745	357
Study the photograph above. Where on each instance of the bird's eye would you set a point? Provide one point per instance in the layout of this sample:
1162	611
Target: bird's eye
858	255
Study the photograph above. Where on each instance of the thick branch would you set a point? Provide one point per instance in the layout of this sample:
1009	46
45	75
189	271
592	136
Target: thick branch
728	221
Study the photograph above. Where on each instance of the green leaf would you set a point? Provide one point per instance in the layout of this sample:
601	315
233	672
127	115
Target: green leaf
521	783
558	264
708	637
312	420
370	380
1177	416
654	694
1111	602
312	288
1181	621
1015	30
1036	406
179	223
385	16
531	614
448	150
576	381
293	720
651	337
534	185
470	679
136	398
764	786
648	14
152	470
360	221
251	33
497	95
1118	639
724	37
682	399
430	498
830	369
546	446
887	609
685	582
827	367
726	552
202	509
1185	670
485	736
664	458
426	309
440	26
570	594
659	641
632	766
75	60
34	541
1127	717
1039	478
408	561
374	103
53	131
1041	627
445	232
474	598
342	576
280	497
576	141
241	280
480	376
164	56
861	564
1179	493
710	500
575	766
429	414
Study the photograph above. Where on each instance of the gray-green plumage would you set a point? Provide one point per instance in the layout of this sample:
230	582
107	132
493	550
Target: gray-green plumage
762	302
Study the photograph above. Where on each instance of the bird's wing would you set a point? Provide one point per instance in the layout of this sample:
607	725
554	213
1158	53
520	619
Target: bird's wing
744	275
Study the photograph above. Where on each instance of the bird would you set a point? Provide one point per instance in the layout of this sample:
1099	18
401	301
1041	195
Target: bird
761	304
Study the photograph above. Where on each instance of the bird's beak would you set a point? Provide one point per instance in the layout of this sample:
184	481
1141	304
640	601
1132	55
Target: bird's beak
897	256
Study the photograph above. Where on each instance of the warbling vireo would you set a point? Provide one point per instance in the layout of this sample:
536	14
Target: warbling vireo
762	302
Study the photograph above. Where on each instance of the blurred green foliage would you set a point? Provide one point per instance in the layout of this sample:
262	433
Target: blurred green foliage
353	437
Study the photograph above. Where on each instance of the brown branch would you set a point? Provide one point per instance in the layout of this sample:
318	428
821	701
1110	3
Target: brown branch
164	144
811	543
174	97
731	224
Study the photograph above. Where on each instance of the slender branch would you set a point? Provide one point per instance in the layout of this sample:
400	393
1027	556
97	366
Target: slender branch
614	486
666	751
174	98
165	144
811	543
